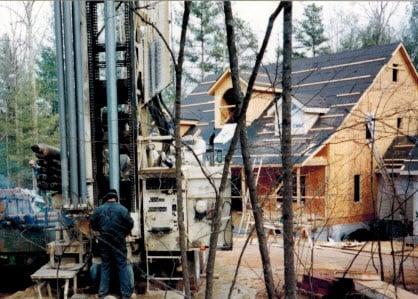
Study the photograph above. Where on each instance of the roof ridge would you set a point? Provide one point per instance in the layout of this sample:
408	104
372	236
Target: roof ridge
368	48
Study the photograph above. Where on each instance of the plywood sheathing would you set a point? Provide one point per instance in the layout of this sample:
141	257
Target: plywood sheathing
350	152
352	84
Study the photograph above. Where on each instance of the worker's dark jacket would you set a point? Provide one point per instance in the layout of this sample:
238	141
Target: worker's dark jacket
114	223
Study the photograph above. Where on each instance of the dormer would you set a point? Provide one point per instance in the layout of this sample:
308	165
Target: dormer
303	117
225	103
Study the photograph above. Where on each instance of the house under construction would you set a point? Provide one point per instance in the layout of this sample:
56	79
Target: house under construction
347	109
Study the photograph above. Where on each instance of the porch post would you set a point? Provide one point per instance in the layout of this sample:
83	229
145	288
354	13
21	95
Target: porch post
415	212
243	191
298	193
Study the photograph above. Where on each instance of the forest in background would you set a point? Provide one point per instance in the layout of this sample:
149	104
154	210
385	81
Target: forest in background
28	99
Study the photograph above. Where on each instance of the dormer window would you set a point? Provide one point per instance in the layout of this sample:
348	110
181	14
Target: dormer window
395	72
226	103
303	117
227	107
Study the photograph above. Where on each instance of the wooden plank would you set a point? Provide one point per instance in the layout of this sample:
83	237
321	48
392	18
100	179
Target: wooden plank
322	129
342	105
332	81
266	132
198	93
339	65
46	272
197	104
348	94
208	82
332	115
356	275
380	289
152	172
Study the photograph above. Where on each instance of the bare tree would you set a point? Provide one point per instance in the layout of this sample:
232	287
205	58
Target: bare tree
240	116
179	182
286	147
28	20
257	211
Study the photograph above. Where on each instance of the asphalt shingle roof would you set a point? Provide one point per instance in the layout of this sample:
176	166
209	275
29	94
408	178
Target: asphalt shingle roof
402	155
334	81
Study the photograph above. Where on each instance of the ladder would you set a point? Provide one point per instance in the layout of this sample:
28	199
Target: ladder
247	217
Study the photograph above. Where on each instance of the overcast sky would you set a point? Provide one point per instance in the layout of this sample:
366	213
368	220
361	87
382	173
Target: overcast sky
256	13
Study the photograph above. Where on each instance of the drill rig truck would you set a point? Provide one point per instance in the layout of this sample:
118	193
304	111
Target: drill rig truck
116	133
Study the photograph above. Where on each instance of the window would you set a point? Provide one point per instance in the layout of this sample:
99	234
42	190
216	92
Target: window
214	155
399	123
227	107
236	190
395	72
151	55
368	133
357	188
157	65
219	158
302	186
154	66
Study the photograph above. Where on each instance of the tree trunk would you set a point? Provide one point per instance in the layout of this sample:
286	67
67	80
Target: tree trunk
286	146
233	61
202	46
29	7
179	181
257	212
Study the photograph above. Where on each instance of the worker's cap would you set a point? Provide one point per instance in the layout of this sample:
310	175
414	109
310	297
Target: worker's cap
111	194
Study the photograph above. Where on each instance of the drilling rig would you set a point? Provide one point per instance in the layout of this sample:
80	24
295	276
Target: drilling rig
116	133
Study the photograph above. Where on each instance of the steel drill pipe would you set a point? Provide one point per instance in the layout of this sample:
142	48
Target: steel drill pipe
111	92
80	102
71	103
61	98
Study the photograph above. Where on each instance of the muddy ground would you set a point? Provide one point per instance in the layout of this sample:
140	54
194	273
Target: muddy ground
327	261
250	280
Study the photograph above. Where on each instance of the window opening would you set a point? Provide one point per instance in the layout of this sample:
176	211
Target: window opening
368	133
399	123
227	107
357	188
395	72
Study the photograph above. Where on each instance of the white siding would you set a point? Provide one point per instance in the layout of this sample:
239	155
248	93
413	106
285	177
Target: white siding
406	190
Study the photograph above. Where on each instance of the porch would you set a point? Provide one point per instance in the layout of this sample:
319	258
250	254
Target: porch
309	193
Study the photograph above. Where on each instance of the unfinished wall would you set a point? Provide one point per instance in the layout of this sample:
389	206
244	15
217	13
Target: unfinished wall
349	150
314	191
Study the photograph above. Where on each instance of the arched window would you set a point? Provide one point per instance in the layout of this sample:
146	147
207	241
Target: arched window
227	107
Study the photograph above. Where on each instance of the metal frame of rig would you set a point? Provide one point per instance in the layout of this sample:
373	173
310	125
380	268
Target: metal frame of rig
145	152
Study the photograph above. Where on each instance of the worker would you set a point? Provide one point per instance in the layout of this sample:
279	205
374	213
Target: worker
113	222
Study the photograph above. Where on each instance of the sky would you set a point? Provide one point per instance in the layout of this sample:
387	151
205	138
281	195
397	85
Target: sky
256	13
